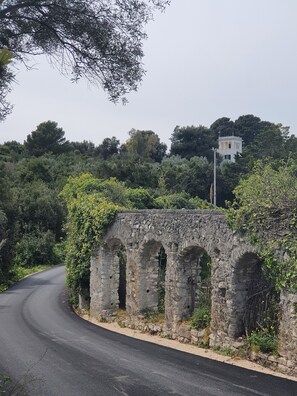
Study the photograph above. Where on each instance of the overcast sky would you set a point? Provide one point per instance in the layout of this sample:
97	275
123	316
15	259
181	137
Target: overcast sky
205	59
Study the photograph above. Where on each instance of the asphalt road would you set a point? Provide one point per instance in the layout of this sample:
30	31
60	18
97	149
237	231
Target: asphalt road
53	352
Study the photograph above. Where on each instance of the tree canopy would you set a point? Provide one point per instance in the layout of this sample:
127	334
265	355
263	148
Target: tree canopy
6	78
47	138
146	145
99	40
193	141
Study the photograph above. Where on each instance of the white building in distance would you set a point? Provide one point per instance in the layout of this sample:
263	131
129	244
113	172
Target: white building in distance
229	146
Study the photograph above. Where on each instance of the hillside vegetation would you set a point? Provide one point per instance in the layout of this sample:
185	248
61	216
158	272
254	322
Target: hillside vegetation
48	177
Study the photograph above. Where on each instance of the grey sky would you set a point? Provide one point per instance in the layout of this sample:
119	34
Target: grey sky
205	59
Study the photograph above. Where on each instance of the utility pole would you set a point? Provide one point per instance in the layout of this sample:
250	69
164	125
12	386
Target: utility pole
214	177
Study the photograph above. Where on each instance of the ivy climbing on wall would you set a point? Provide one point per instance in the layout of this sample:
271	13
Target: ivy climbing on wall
90	210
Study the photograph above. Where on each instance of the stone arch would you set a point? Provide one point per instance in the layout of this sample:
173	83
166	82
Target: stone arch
248	283
151	273
189	279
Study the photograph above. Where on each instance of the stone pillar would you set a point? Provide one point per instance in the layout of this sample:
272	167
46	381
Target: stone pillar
83	302
132	278
104	283
148	283
287	346
221	301
187	283
172	298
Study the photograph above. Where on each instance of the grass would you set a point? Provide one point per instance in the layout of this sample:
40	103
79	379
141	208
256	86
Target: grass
152	316
19	273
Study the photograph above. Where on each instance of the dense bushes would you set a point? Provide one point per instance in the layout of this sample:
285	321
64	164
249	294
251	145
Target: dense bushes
265	208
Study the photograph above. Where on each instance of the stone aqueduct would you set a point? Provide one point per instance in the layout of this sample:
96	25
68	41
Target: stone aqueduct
185	235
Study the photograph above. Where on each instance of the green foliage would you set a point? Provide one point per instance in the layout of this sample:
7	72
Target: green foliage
205	264
132	170
5	382
39	208
246	126
5	56
18	273
98	40
90	210
179	175
47	138
139	198
146	145
173	201
6	79
265	207
263	340
108	147
130	176
201	317
181	201
34	249
193	141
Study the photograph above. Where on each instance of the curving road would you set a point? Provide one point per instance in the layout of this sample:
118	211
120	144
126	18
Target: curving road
56	353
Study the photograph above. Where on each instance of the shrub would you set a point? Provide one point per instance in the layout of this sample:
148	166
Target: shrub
201	318
261	340
35	248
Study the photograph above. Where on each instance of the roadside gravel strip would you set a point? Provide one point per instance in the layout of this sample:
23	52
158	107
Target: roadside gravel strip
194	350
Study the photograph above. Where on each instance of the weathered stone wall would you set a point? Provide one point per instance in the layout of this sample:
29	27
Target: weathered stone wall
184	234
288	332
180	232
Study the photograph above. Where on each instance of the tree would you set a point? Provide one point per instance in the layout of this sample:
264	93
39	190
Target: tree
222	127
85	147
246	126
8	214
47	138
99	40
11	151
249	126
191	176
108	147
6	78
272	141
193	141
146	145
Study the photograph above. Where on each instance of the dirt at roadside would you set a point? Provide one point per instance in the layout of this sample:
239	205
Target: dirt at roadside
155	339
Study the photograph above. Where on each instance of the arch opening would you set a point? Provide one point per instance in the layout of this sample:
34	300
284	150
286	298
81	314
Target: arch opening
114	273
255	299
162	262
152	278
122	289
195	291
